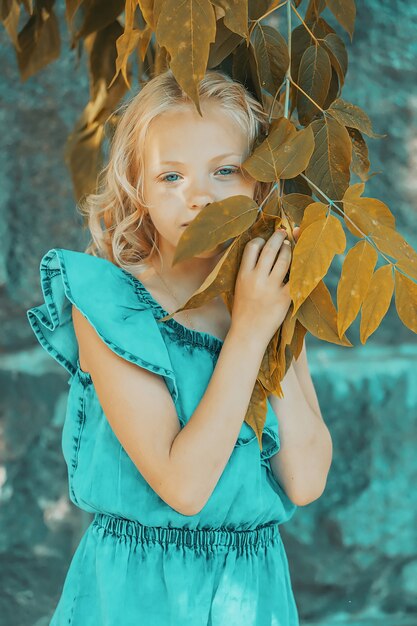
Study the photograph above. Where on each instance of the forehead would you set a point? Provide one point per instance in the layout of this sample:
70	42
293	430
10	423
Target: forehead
183	130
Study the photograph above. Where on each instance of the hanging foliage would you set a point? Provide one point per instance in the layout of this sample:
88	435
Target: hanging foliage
315	141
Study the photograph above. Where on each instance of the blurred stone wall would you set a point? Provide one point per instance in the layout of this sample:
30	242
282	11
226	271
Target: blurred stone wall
352	553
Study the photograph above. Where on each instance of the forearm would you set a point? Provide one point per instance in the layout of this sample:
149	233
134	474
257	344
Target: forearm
203	447
303	462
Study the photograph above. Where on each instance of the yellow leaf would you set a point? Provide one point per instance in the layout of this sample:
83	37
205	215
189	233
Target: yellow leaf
336	50
353	116
219	281
357	270
267	371
313	212
256	413
84	158
10	13
273	105
186	30
406	301
377	301
222	278
375	220
318	315
354	191
286	336
345	13
71	7
226	41
284	153
102	58
38	43
312	256
271	56
392	243
125	45
235	15
368	214
130	8
329	167
150	11
360	160
272	207
295	205
298	339
145	39
216	223
96	16
314	77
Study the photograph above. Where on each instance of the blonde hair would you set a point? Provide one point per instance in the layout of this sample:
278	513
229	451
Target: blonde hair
121	228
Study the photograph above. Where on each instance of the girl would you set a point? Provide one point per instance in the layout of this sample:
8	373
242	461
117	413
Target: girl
186	507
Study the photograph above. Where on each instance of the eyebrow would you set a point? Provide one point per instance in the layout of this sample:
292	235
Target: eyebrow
220	156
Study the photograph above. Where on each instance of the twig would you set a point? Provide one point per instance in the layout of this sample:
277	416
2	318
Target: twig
266	15
305	25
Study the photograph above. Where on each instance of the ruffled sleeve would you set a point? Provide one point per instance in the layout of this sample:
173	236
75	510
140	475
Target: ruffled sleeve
105	295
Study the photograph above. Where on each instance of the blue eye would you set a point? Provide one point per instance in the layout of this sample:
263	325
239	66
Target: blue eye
164	178
231	170
228	170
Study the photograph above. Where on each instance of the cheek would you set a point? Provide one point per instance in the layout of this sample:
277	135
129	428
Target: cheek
249	185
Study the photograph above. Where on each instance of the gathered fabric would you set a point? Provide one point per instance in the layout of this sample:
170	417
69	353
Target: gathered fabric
140	561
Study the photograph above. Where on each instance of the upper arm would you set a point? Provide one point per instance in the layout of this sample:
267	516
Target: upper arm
139	409
303	374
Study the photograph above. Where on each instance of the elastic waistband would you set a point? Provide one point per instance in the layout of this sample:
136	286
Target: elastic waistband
213	537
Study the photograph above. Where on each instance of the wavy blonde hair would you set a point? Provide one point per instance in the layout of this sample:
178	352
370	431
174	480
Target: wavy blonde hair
121	228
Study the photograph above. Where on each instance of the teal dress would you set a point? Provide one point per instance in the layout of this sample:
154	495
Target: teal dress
140	562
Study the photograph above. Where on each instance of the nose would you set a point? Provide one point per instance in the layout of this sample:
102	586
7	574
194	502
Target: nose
199	194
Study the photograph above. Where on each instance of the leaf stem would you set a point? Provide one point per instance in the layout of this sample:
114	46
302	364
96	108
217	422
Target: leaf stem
266	15
271	110
274	186
305	25
307	96
288	72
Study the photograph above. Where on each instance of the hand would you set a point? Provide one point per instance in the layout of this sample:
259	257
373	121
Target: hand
262	298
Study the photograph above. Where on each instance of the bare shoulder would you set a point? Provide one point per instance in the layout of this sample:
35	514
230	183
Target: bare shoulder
138	407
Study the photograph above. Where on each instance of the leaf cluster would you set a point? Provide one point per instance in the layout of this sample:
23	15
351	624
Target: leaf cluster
288	55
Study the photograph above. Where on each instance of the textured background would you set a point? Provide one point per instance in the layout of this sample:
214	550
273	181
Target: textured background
352	553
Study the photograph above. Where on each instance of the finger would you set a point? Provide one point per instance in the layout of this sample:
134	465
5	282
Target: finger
251	253
282	263
270	250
